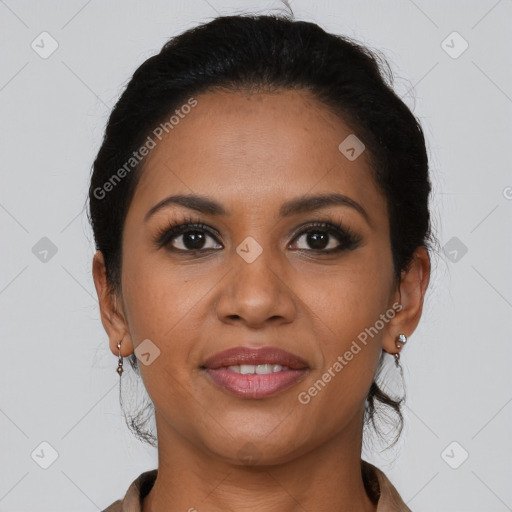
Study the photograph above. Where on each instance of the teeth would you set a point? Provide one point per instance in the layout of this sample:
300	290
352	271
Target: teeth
259	369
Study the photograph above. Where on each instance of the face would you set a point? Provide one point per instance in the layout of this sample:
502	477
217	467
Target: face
265	266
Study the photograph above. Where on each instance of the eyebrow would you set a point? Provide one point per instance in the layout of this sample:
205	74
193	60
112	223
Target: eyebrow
292	207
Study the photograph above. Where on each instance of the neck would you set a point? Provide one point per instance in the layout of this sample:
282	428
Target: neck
326	478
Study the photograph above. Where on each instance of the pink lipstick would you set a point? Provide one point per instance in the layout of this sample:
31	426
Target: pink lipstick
255	373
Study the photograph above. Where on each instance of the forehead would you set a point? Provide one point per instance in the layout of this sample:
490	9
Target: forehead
254	150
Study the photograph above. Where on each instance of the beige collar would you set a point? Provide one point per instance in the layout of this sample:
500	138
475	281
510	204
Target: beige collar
379	488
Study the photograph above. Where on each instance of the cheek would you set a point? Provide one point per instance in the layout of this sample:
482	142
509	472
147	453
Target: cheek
350	354
159	298
346	304
345	298
164	306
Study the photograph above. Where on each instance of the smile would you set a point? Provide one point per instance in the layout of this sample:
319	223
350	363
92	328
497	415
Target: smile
254	385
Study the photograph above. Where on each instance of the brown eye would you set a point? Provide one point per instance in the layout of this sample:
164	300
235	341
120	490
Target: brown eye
326	237
318	240
187	238
192	240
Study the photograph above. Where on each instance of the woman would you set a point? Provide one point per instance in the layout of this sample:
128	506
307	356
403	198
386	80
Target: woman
260	211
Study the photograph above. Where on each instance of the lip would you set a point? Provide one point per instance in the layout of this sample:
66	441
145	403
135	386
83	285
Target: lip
246	355
254	385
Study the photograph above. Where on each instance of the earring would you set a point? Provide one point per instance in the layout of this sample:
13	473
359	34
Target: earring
120	363
400	341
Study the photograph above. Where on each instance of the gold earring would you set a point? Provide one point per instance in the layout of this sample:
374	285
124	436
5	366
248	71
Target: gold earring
400	341
120	362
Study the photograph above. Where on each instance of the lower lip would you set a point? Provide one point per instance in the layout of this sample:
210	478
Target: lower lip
254	385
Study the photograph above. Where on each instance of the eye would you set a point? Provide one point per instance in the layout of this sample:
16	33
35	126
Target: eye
194	239
327	237
187	236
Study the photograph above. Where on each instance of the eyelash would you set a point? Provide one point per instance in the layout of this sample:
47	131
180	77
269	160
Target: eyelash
347	239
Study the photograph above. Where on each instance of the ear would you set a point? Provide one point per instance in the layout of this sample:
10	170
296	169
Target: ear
112	315
410	294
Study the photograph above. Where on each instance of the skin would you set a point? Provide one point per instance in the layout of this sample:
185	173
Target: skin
251	153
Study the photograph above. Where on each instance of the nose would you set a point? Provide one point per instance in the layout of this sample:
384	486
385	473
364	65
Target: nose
257	292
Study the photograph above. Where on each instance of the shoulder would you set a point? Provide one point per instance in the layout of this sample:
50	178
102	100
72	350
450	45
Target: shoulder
136	492
115	507
382	492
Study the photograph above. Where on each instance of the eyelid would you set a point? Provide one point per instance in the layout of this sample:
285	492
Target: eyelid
346	237
324	222
181	224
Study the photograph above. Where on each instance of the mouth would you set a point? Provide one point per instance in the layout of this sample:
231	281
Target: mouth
255	373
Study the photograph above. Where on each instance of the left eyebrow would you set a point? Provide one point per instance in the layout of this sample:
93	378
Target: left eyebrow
294	206
317	202
193	202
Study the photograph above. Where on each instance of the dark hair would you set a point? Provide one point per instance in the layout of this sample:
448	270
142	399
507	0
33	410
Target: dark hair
253	53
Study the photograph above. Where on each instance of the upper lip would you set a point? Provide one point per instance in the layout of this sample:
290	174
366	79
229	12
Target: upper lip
254	356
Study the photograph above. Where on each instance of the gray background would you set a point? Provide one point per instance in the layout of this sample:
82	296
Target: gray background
57	375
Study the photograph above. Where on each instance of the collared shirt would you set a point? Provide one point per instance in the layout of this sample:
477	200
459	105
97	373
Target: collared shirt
380	490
